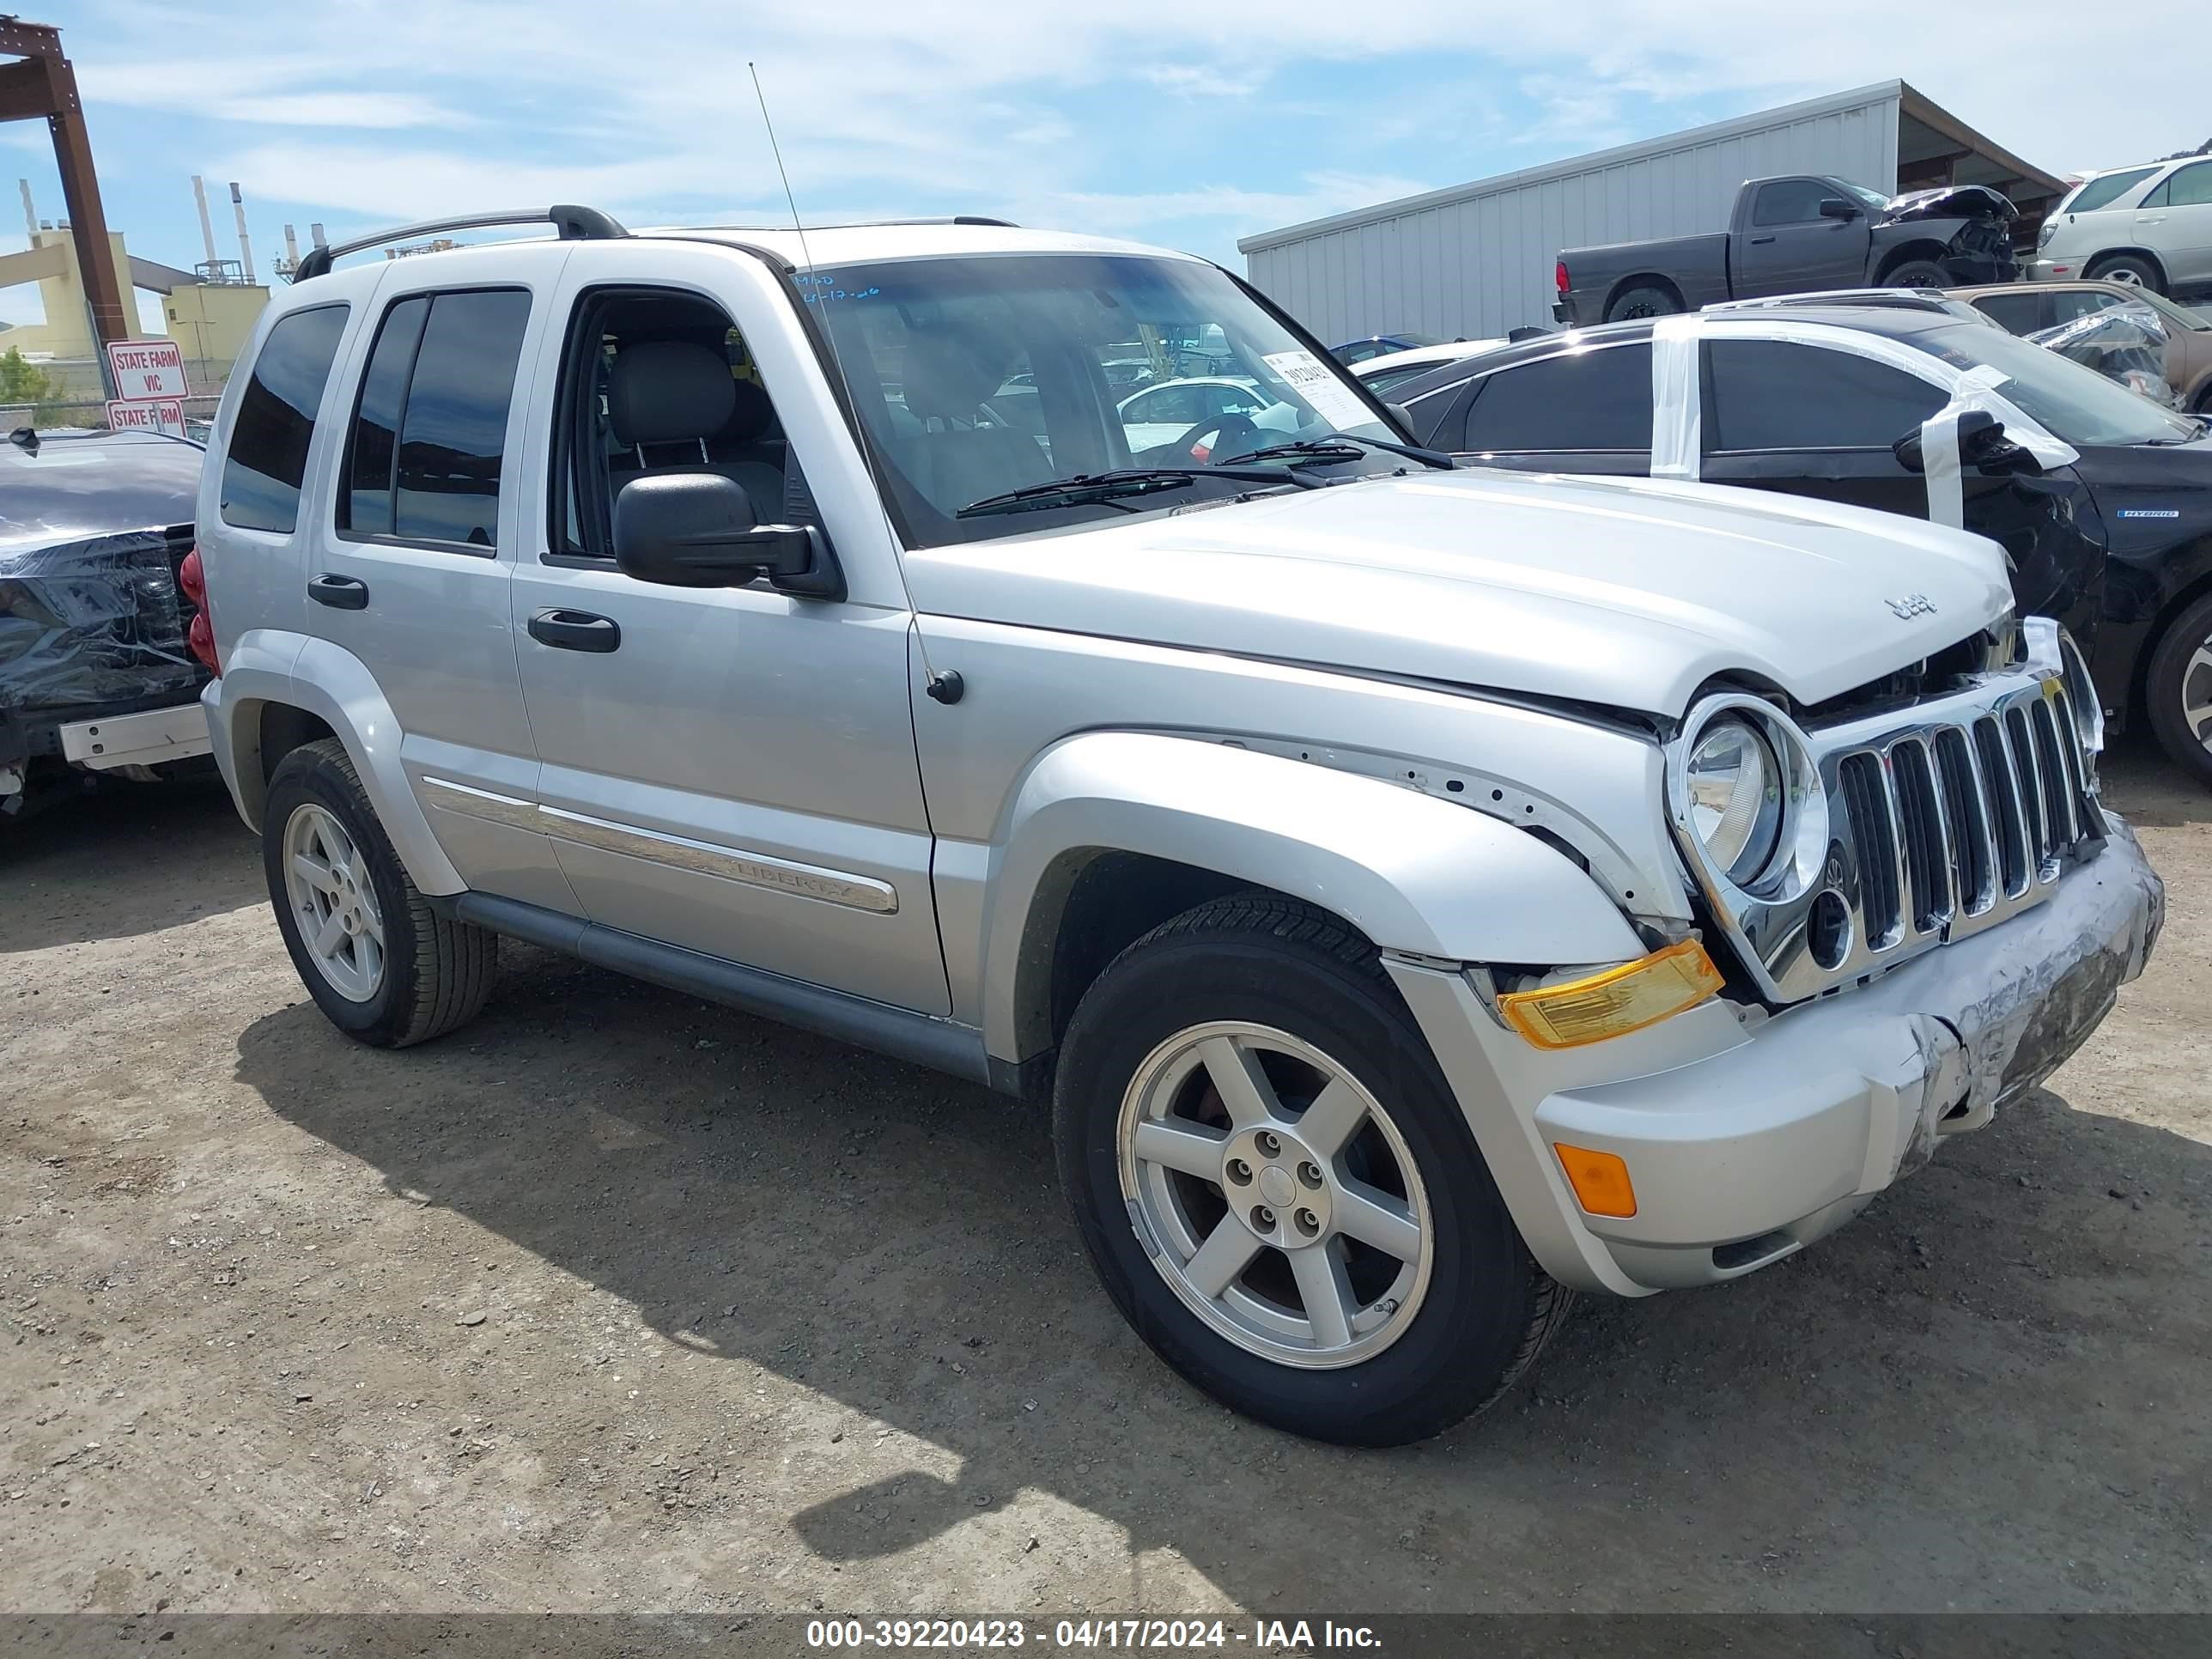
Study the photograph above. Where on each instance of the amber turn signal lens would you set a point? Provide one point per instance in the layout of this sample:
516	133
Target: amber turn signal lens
1615	1002
1600	1180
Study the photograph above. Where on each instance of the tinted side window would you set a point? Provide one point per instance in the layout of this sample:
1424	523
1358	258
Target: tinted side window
1789	202
268	454
1599	399
446	485
2071	302
366	503
2190	187
2101	192
2016	314
1772	394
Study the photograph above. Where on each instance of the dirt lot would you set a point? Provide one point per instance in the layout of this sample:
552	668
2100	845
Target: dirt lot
617	1300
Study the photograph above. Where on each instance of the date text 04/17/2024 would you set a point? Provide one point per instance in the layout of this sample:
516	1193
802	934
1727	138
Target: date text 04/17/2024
1163	1635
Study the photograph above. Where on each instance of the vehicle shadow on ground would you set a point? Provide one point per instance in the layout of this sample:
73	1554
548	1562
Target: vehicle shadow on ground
2148	789
1980	1342
79	870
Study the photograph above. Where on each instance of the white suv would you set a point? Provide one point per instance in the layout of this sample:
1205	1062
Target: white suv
1419	893
2148	226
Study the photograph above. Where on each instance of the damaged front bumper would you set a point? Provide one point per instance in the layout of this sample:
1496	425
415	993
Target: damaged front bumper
1780	1131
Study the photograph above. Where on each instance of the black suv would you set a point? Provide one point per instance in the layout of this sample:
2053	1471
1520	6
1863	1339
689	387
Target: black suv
2101	500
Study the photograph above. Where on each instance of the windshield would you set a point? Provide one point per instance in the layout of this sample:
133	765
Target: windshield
978	375
2099	193
1872	198
2073	403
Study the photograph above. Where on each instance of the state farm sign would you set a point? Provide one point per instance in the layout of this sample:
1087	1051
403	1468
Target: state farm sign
147	368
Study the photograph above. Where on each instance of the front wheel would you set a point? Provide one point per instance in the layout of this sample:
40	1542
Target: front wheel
1277	1187
1916	273
2177	689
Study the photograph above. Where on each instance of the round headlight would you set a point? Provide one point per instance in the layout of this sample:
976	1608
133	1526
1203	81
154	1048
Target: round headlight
1735	787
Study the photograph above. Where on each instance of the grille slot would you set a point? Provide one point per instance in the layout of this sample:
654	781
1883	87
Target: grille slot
1967	813
2002	790
1866	801
2057	787
1921	833
2029	777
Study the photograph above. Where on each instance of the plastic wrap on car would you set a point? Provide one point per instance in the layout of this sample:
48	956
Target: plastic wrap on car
2125	343
98	621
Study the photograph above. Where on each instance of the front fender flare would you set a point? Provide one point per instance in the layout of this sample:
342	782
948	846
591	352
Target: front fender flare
1414	873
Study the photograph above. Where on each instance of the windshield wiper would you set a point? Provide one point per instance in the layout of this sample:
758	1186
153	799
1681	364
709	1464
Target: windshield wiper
1084	488
1338	447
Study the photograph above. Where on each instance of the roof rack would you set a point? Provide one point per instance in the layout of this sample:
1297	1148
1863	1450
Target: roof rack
1909	299
574	224
844	224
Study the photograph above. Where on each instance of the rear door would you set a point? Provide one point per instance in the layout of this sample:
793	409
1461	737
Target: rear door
1806	419
410	557
2175	222
1581	411
1789	248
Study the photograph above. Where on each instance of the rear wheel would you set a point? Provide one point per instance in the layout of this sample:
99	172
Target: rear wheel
2177	689
380	963
1644	300
2131	269
1278	1189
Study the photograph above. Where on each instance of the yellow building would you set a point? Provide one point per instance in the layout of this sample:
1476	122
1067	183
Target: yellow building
211	321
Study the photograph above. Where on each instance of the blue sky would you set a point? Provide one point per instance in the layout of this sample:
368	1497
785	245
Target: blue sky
1184	124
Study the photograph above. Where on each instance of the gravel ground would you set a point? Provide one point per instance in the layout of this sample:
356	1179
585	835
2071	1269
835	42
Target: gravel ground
616	1300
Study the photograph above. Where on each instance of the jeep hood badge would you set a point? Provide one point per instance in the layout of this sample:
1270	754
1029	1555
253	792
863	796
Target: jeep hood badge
1911	605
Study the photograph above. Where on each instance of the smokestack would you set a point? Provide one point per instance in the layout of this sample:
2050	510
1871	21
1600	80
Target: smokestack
30	213
291	248
207	225
244	243
315	234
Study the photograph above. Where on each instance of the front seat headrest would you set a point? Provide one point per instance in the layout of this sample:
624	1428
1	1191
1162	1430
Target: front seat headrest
948	375
662	391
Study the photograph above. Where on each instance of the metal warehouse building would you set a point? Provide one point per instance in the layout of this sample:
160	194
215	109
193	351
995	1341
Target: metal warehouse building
1475	260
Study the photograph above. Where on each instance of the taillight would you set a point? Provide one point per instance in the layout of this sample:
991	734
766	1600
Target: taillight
1560	276
199	636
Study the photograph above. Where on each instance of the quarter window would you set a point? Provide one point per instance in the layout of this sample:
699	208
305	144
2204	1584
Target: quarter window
2103	192
1584	400
1772	394
431	427
267	457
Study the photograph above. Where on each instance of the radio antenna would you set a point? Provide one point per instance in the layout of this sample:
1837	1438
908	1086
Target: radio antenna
942	688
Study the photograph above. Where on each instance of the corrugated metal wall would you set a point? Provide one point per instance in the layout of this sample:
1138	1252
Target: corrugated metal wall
1481	264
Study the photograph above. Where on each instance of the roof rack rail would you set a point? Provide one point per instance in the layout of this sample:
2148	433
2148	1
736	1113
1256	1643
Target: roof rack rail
574	224
1912	299
842	224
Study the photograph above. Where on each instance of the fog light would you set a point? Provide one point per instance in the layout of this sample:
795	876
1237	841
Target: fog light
1600	1180
1614	1002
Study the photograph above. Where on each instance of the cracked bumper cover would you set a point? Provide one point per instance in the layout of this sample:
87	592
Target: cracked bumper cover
1747	1143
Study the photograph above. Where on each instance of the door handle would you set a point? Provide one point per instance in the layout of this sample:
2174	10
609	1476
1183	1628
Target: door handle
1760	241
339	592
574	630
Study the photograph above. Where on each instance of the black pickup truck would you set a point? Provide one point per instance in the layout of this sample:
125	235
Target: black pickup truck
1795	235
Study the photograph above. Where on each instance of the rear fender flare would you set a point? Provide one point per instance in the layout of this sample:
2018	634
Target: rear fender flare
1416	874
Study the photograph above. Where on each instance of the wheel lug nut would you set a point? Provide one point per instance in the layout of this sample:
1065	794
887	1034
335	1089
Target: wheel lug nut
1263	1218
1239	1170
1268	1145
1309	1223
1309	1172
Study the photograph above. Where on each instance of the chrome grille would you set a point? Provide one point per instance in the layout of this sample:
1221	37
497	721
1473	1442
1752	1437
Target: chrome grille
1940	821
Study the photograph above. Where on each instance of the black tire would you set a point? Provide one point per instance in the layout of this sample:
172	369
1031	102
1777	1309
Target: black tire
1644	300
2130	268
1917	273
2166	682
1488	1309
436	973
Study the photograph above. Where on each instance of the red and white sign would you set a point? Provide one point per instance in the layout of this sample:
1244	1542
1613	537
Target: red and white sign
147	368
147	414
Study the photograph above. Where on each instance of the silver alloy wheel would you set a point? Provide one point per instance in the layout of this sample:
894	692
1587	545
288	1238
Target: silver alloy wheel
2196	693
333	901
2125	276
1275	1195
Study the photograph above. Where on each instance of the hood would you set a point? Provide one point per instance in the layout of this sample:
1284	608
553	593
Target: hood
1950	202
1632	592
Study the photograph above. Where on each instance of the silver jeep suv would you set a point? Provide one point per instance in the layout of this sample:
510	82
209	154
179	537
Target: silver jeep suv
1420	893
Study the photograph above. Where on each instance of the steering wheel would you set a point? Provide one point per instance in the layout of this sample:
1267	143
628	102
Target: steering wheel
1233	434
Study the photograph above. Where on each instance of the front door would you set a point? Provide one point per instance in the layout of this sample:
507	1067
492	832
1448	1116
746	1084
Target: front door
408	569
728	769
1809	420
1789	247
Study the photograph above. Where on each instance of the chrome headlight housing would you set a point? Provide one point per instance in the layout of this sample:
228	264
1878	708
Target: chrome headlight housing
1745	796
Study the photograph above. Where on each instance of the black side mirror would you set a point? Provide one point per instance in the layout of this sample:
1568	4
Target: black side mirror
1982	446
1835	207
699	530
